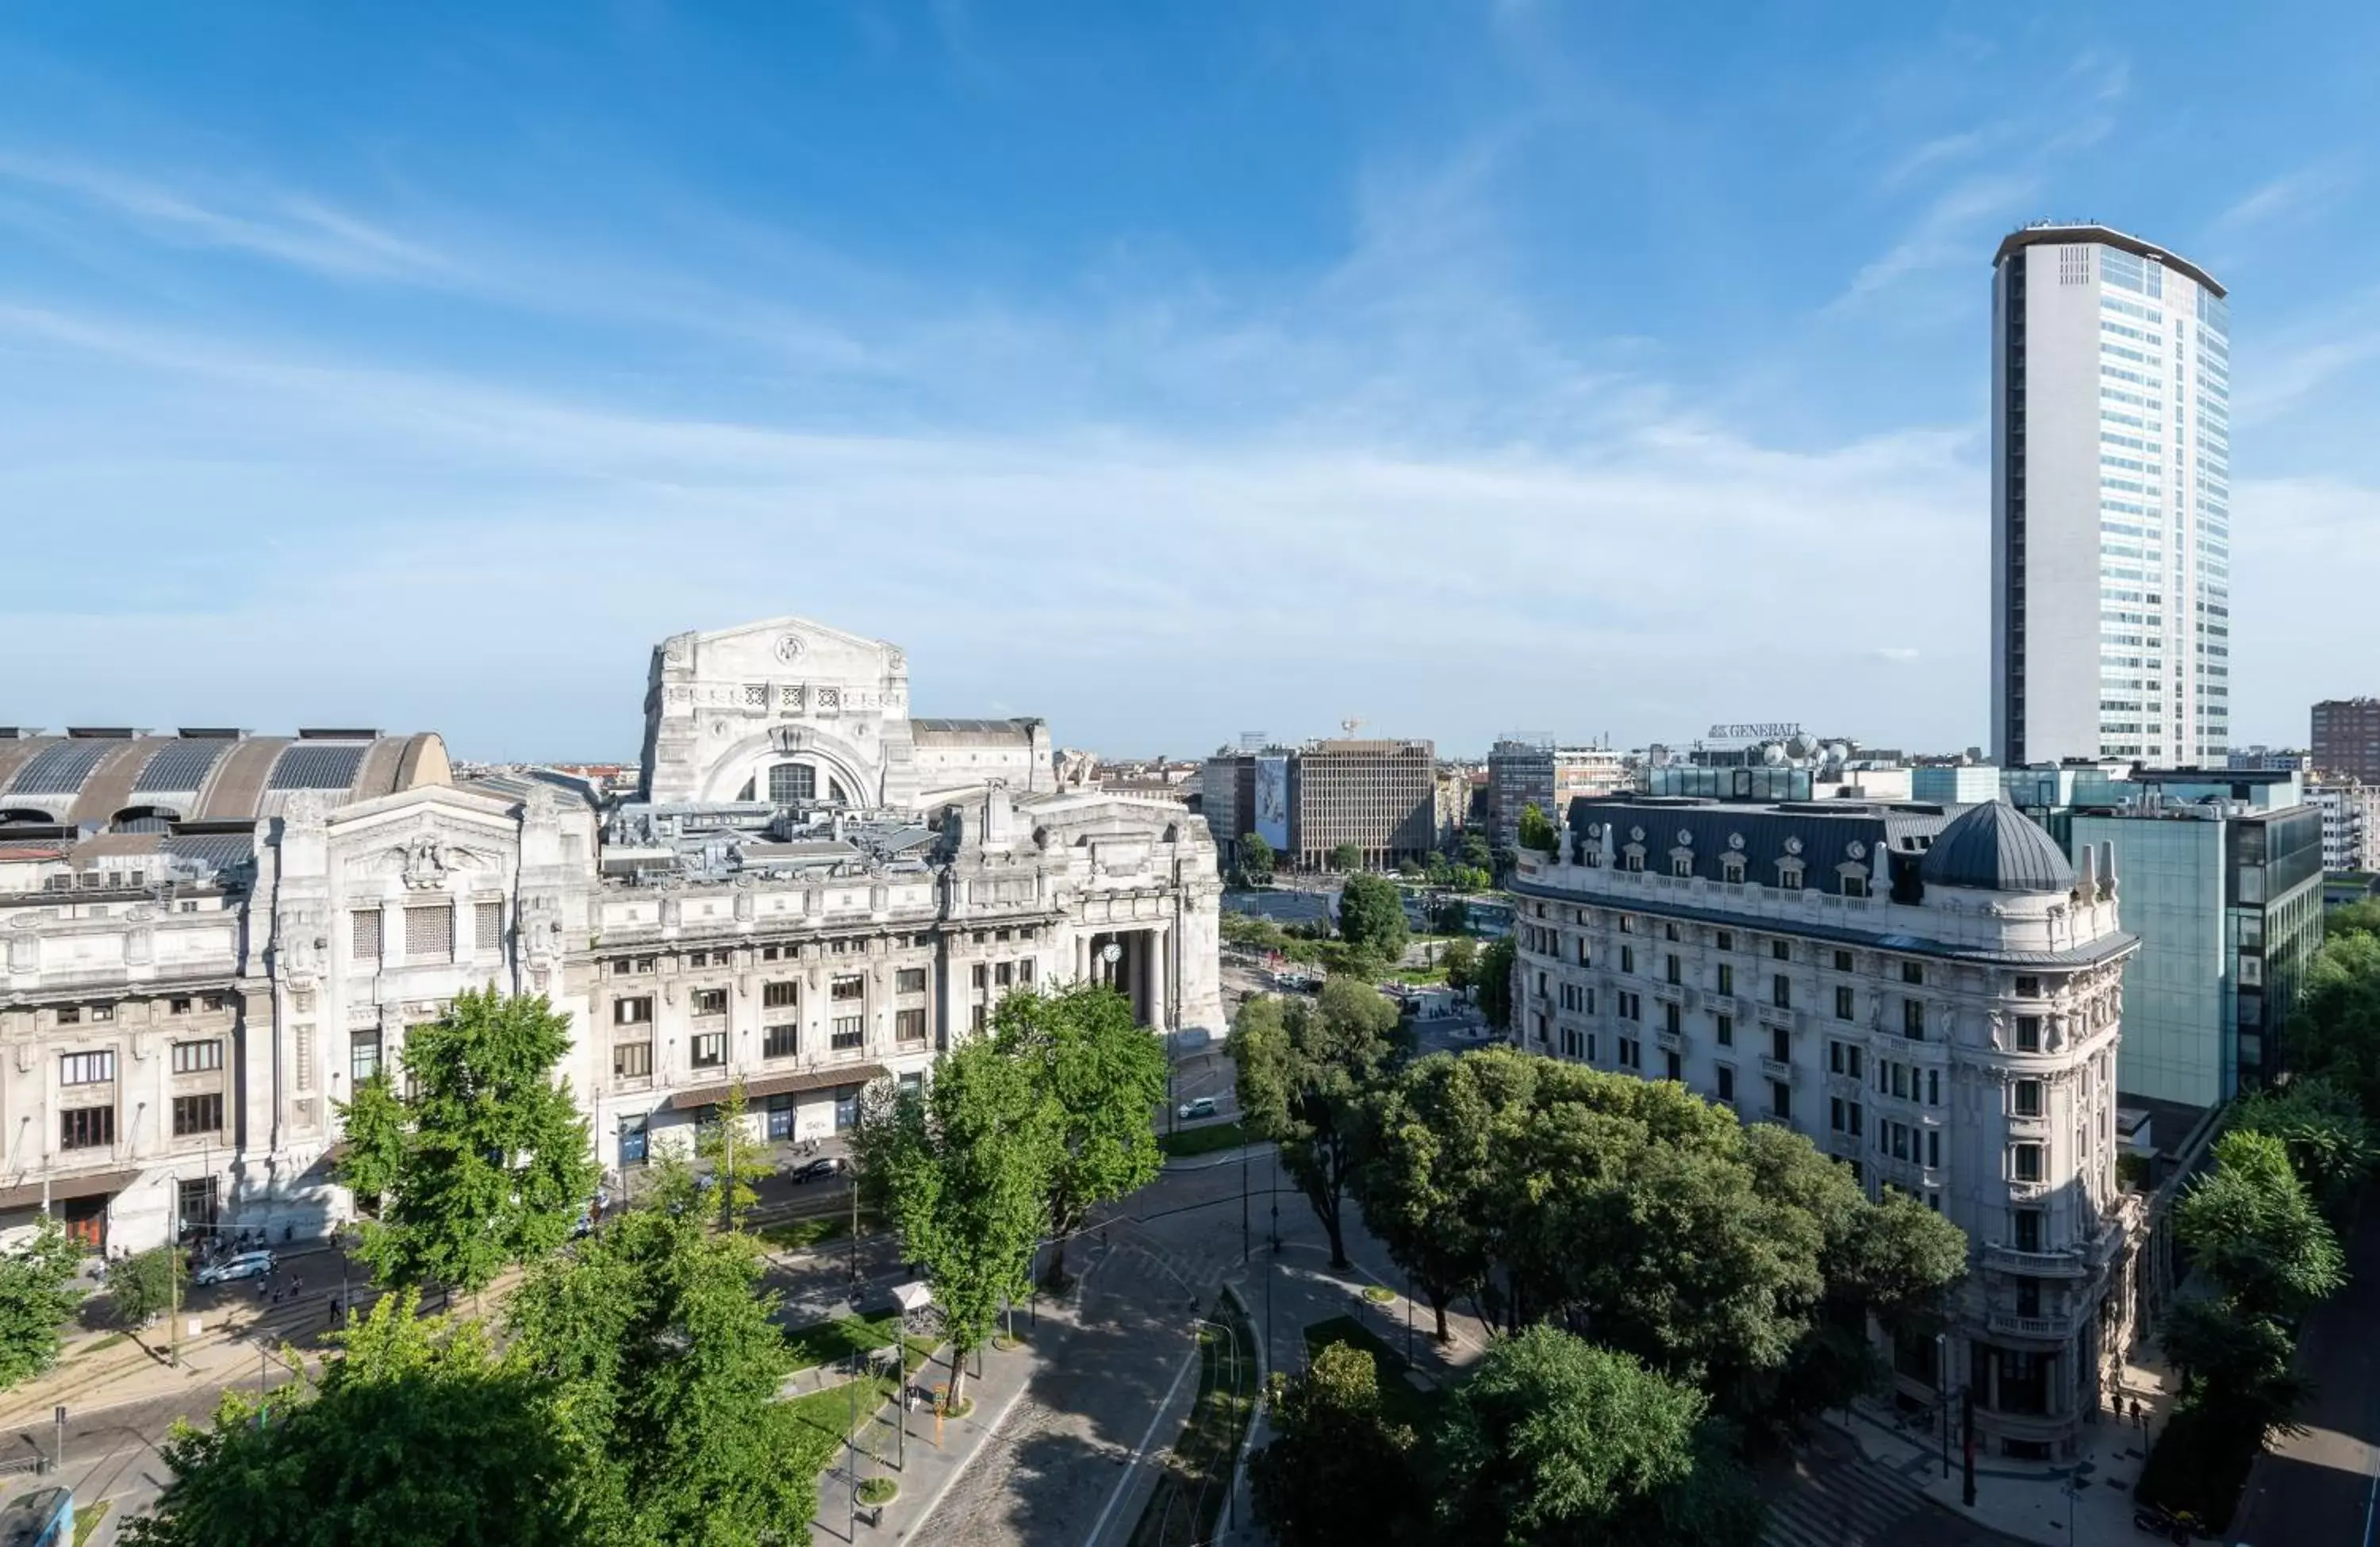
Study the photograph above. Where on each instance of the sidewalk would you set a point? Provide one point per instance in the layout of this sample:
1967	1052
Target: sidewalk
2025	1499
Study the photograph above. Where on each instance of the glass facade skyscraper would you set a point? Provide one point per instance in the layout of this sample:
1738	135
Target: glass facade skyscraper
2111	523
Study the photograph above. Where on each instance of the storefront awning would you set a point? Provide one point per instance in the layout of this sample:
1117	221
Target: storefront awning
779	1085
90	1185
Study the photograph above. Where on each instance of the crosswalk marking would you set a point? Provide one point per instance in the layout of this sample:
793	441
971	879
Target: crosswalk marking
1852	1503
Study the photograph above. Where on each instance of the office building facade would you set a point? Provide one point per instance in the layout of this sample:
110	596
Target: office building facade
1935	1000
2346	738
2111	580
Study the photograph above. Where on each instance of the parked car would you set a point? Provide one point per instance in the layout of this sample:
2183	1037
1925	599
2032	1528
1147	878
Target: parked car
811	1171
248	1264
1203	1107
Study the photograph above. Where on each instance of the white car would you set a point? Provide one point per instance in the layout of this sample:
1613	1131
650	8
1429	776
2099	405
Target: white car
248	1264
1203	1107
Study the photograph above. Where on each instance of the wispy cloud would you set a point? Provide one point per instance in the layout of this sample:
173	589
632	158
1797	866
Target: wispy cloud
1950	230
288	229
2306	187
1924	157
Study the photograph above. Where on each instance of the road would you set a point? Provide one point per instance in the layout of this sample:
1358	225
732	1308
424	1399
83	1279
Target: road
2317	1489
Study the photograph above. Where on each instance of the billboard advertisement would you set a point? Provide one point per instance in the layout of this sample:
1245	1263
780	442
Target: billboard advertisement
1272	803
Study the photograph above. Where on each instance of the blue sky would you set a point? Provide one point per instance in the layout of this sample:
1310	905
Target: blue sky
1168	370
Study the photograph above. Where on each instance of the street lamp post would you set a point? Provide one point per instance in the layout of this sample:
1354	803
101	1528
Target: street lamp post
1942	1396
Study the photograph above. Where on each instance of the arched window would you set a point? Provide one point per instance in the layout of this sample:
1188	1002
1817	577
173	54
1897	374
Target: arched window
792	783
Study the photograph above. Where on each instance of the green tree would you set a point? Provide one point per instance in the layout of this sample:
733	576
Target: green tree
2330	1142
725	1142
419	1434
1558	1443
664	1361
1473	852
1257	860
1372	917
493	1163
1462	960
372	1128
2254	1229
2236	1371
1538	830
963	1168
35	1301
141	1285
1346	857
1492	986
2336	1029
1101	1073
1450	916
1338	1469
1427	1165
1303	1071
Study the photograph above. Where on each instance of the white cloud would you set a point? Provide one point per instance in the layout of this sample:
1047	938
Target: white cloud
2285	195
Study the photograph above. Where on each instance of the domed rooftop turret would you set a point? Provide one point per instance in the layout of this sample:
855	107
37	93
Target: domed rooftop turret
1994	848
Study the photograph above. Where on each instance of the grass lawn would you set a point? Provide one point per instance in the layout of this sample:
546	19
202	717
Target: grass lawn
833	1342
1188	1502
87	1520
1406	1402
797	1235
823	1417
1203	1140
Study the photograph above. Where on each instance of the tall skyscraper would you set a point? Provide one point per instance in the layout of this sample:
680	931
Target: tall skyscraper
2111	521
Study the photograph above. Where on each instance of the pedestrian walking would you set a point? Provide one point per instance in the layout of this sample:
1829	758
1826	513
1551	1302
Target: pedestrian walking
334	1310
2138	1420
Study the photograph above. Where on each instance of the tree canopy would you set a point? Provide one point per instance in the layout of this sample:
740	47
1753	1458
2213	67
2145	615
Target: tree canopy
2330	1143
1345	857
1338	1470
1492	984
2254	1229
1372	917
1304	1069
419	1434
1101	1074
1538	830
1555	1441
1461	962
487	1161
963	1167
726	1144
1257	860
662	1364
36	1297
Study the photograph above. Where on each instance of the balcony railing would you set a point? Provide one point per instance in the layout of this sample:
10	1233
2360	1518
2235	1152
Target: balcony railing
2057	1329
2036	1264
1777	1068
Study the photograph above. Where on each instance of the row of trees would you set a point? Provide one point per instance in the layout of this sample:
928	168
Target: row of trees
1734	1261
2264	1227
1009	1146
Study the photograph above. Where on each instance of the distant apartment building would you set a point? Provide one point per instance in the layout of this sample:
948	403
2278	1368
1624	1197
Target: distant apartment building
2271	759
1520	774
2346	739
2350	824
1935	997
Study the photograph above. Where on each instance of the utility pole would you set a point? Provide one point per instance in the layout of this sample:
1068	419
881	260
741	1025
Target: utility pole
851	1455
173	1303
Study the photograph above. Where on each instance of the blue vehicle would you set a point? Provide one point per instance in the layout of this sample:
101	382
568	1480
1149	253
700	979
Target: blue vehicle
44	1517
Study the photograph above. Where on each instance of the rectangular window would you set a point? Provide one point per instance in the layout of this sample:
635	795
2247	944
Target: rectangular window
86	1127
638	1011
1670	1016
103	1012
1789	880
1726	1083
2024	1161
363	1056
1781	991
1780	1045
1672	1067
1842	961
1900	1080
2024	1098
980	975
86	1068
848	1033
909	980
2028	1229
201	1114
1780	951
1912	1020
908	1026
1899	1132
632	1060
843	990
1933	1149
178	1006
1725	940
430	933
1912	972
709	1050
1933	1088
1628	959
1726	978
1780	1100
780	1042
1674	970
709	1002
1004	974
1845	997
1726	1030
1855	887
780	996
2028	988
975	1021
364	933
2028	1033
486	926
70	1014
197	1057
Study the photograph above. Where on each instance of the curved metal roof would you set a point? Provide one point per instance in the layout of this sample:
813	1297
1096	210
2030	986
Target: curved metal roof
91	779
2106	236
1995	848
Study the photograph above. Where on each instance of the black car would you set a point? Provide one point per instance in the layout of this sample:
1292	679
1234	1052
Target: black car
811	1171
